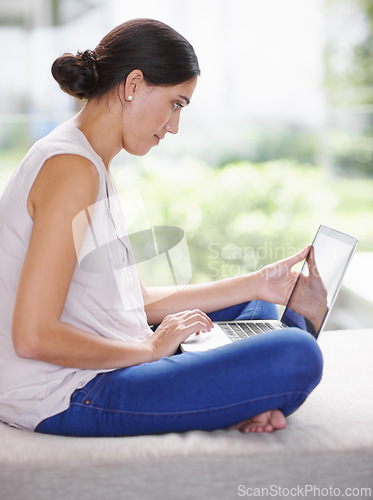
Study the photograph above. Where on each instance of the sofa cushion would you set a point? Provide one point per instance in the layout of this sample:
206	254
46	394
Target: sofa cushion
328	443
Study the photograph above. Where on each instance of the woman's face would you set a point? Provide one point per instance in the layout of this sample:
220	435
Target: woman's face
152	113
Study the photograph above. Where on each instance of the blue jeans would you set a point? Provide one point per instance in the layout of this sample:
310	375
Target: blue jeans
207	390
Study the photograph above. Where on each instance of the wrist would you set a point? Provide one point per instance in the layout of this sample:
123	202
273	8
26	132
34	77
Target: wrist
149	353
255	285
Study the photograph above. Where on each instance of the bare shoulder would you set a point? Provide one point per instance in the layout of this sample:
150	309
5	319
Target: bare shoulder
70	181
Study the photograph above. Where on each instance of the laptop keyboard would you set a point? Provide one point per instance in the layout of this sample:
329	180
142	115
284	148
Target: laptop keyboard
237	331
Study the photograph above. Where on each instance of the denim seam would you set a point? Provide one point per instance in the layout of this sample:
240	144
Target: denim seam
191	412
87	394
255	309
100	388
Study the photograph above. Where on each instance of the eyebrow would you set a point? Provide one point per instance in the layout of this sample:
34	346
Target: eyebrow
185	99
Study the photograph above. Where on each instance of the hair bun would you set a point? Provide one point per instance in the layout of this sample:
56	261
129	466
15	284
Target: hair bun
164	56
88	56
77	75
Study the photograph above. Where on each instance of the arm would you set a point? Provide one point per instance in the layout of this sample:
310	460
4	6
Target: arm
273	283
38	333
209	297
54	200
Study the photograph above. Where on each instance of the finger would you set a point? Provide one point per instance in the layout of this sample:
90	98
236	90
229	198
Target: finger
188	322
203	320
311	263
198	314
197	328
298	257
186	315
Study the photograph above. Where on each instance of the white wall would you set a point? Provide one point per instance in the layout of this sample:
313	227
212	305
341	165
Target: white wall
260	60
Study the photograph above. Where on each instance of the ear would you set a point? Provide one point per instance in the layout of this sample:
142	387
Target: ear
133	82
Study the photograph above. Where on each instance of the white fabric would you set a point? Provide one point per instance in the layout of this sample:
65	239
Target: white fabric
103	301
328	444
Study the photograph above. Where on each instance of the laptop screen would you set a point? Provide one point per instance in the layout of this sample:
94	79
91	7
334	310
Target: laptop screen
319	280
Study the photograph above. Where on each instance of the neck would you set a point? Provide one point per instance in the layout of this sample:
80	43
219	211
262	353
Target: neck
99	123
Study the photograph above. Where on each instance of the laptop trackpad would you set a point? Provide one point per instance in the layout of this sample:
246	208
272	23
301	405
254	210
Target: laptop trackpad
204	341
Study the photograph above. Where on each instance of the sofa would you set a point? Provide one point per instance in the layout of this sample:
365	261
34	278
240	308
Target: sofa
326	450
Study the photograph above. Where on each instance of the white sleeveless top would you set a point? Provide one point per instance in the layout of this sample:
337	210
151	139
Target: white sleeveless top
104	296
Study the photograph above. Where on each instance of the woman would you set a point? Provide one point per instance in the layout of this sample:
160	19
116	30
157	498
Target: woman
77	354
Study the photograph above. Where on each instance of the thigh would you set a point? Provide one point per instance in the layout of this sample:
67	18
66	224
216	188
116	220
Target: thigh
208	390
255	309
258	309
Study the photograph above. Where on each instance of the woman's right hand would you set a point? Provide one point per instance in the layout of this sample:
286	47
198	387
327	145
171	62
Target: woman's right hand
311	299
175	328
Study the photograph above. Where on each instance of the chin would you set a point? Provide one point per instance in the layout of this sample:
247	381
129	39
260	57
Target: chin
137	151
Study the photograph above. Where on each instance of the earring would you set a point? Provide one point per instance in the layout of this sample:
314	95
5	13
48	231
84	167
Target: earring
130	97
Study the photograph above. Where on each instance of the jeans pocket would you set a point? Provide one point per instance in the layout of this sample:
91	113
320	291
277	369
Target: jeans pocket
91	390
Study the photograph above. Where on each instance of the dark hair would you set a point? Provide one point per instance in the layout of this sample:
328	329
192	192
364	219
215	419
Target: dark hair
161	53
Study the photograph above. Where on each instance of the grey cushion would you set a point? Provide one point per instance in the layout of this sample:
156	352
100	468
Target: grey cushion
328	444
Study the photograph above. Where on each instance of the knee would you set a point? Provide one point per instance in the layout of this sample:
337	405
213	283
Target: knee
258	309
303	358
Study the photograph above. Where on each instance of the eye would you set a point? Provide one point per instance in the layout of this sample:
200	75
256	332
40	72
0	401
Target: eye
177	106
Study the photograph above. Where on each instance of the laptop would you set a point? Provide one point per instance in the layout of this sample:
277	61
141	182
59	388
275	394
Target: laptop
310	301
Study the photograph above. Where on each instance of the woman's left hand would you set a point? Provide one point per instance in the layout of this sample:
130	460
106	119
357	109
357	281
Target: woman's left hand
277	280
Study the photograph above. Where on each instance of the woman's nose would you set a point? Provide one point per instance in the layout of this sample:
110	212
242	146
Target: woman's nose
172	125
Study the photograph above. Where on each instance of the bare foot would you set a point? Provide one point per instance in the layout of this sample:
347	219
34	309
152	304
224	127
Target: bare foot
267	421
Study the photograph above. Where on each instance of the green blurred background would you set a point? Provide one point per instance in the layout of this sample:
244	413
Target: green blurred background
277	140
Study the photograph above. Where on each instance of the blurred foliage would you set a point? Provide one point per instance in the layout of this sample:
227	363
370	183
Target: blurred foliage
352	154
348	151
269	142
361	72
243	216
349	51
349	85
14	135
